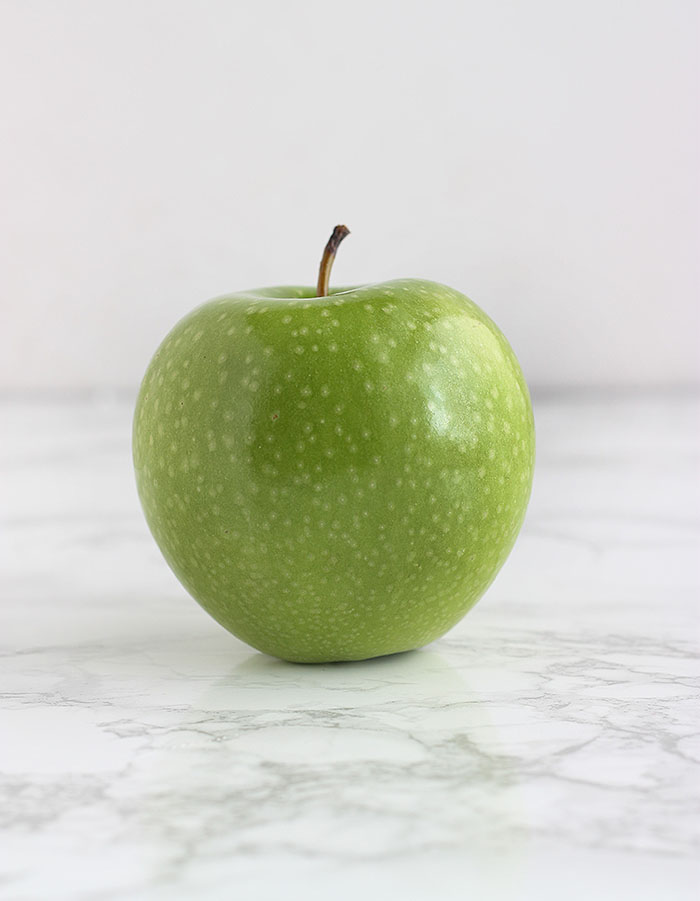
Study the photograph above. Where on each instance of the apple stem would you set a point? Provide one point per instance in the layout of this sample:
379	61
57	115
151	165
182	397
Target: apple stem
324	273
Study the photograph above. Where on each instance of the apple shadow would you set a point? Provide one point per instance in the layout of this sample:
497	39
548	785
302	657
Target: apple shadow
260	660
259	681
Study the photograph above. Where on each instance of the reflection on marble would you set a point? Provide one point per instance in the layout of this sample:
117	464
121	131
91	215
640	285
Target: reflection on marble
548	747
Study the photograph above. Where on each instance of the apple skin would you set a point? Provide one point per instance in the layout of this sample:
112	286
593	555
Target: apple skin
335	478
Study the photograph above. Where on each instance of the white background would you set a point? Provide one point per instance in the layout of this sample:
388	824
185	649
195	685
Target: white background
540	156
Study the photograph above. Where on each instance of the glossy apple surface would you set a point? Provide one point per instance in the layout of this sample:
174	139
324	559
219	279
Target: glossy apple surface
340	477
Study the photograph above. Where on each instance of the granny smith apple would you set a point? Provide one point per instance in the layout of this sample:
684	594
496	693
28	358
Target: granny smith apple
335	476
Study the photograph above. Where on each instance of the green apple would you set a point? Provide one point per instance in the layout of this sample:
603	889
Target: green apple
335	476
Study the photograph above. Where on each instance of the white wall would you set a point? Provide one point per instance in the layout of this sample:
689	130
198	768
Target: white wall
541	156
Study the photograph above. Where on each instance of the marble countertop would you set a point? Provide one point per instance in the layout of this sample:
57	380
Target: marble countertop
548	747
